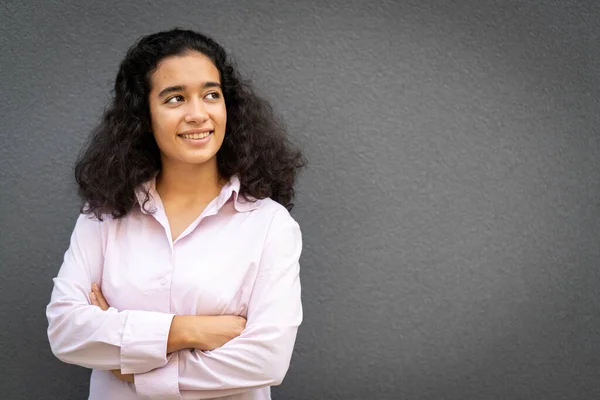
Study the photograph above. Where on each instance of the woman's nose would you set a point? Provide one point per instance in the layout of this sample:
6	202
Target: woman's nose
196	112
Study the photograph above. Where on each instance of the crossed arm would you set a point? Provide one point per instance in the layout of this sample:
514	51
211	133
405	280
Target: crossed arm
187	331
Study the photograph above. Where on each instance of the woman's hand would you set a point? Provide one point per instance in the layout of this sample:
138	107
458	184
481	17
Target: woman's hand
97	299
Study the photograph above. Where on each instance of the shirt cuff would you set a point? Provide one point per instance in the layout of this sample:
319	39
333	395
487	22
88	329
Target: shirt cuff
144	341
161	383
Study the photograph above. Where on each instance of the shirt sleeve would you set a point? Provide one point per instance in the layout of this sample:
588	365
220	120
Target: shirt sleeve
261	355
83	334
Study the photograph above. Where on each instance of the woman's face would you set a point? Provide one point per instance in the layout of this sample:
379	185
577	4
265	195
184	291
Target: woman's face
187	109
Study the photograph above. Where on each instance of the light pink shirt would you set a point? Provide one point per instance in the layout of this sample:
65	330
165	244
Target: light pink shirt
236	258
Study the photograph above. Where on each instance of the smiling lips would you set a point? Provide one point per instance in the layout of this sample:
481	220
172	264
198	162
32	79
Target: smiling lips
196	134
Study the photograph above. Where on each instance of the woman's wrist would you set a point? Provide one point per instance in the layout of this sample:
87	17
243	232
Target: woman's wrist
181	334
203	332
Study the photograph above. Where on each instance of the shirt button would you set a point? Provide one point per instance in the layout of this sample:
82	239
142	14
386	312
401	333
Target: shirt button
163	281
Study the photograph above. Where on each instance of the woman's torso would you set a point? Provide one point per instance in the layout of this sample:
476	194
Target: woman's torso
208	270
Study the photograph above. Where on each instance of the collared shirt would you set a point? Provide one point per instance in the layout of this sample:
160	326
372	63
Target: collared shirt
238	257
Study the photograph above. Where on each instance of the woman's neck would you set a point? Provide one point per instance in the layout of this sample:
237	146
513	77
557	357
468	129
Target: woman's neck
189	183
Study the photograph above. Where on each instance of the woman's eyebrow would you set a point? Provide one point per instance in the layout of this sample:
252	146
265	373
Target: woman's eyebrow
179	88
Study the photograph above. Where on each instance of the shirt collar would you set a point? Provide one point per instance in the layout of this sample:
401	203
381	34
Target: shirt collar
230	190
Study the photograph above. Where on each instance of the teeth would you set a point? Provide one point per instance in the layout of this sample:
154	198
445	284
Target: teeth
196	135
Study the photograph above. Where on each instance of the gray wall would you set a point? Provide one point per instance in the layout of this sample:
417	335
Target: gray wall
450	209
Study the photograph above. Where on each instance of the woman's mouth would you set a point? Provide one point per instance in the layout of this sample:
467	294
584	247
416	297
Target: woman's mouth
196	136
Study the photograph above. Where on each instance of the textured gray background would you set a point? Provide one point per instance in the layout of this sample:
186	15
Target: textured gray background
450	209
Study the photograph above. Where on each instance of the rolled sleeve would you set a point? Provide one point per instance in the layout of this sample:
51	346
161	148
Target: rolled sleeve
161	383
144	341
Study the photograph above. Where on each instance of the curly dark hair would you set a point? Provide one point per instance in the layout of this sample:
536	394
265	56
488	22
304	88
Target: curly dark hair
122	153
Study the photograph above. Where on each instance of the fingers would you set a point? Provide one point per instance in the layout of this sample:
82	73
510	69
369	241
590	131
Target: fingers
97	298
124	377
94	300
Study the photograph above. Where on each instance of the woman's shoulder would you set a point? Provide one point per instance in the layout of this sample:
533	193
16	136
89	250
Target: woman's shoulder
91	221
269	207
276	216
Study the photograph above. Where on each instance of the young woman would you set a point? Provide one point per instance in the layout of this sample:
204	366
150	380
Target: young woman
182	277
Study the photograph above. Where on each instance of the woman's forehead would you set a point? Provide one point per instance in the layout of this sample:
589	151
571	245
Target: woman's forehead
190	70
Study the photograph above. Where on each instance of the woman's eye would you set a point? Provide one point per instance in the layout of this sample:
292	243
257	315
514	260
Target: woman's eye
175	99
213	95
